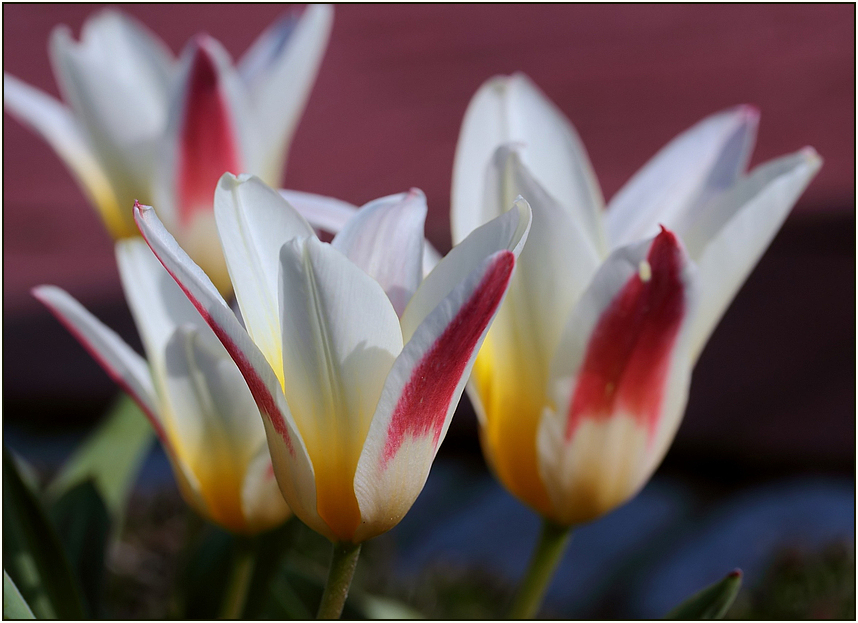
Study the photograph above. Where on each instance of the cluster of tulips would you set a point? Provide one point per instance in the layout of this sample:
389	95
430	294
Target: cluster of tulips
285	375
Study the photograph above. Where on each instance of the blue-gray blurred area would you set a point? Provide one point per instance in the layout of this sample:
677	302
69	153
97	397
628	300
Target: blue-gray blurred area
639	561
642	559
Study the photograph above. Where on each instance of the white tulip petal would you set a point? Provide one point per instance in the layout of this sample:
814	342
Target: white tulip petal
554	269
422	392
331	215
735	231
510	375
212	408
261	500
291	60
619	380
695	166
508	231
121	120
157	303
131	373
288	452
54	122
213	418
256	62
431	257
340	338
325	213
385	238
254	222
116	79
130	48
511	109
118	359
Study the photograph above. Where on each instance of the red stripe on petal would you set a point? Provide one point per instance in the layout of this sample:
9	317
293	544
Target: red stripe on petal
208	146
264	400
627	359
425	399
113	373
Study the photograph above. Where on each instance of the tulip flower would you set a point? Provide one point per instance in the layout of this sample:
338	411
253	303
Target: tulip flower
583	379
356	362
190	390
139	124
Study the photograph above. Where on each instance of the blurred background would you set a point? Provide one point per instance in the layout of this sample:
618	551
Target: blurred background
761	475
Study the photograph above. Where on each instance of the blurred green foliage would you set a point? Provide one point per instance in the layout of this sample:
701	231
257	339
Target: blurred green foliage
803	585
712	602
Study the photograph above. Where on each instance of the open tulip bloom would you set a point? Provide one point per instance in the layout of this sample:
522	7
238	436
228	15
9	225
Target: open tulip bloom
191	391
139	124
583	379
355	361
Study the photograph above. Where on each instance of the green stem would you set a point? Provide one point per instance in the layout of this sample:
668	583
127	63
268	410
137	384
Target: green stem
546	557
244	561
343	562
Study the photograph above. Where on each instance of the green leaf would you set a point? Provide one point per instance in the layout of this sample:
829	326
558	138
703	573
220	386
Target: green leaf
712	602
32	553
111	457
14	605
83	525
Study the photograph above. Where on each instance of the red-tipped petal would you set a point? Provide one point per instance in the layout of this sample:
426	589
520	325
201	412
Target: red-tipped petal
128	369
217	314
628	355
288	453
425	400
421	394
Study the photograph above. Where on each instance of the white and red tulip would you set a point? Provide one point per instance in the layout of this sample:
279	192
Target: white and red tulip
582	381
356	362
191	391
139	124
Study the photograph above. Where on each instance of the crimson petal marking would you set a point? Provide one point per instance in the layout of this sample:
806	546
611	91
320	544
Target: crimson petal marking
214	310
425	400
627	359
395	462
87	329
208	145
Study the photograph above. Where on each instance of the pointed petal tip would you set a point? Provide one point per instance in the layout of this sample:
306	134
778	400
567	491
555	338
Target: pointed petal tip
140	209
501	82
811	156
666	245
42	292
749	113
200	43
524	208
667	234
229	181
